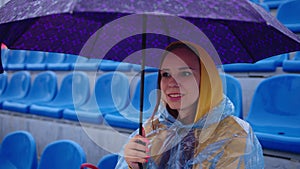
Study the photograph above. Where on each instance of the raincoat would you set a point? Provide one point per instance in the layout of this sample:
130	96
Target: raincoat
216	139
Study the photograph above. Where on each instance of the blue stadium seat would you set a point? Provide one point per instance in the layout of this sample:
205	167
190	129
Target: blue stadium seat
31	57
43	89
274	113
3	82
129	117
62	154
273	4
18	150
4	55
288	15
108	161
137	68
292	65
92	64
266	65
74	91
262	4
115	66
50	58
17	87
68	63
233	91
111	94
15	59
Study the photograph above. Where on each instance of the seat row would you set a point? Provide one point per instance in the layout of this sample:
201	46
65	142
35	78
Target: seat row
18	150
273	113
114	99
268	65
35	60
73	99
15	60
287	12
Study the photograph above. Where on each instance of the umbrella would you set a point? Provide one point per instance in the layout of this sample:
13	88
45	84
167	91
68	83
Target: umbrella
235	30
239	30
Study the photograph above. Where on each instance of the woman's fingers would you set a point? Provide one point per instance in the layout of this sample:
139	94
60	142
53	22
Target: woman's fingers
136	151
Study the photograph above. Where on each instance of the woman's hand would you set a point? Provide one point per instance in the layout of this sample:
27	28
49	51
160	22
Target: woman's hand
136	151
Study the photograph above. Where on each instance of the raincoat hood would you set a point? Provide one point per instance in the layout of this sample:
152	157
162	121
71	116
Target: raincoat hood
211	91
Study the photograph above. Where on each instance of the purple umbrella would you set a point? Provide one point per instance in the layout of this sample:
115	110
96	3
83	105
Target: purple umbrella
239	30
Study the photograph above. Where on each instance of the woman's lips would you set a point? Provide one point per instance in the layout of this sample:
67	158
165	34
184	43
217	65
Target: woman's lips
175	96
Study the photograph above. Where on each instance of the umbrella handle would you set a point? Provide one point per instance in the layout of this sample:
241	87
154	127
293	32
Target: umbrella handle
84	165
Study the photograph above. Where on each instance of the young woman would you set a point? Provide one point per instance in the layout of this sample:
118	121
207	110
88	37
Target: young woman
192	126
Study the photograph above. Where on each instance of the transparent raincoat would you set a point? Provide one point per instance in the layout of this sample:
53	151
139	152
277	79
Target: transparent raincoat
216	139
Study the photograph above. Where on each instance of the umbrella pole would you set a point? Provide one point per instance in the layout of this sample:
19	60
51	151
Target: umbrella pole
142	79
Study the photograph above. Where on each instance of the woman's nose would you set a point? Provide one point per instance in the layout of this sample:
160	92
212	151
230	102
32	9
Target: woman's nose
173	82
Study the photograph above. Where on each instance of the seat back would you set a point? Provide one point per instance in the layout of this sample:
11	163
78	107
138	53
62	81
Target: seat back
34	57
18	86
62	154
44	87
112	91
4	56
233	90
288	12
19	149
275	104
16	56
52	57
297	56
74	89
150	87
108	161
3	82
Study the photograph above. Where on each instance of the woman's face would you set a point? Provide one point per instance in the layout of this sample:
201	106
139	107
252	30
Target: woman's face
180	78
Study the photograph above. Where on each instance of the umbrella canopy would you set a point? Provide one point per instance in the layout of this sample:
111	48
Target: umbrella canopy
239	30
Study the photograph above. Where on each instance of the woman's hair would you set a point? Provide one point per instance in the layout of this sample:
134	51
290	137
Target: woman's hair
173	46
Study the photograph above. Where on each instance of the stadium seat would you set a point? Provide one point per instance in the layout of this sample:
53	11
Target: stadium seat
274	113
129	117
266	65
108	161
18	150
4	55
262	4
3	82
92	64
62	154
115	66
15	59
17	87
68	63
43	89
288	15
137	68
111	94
292	65
273	4
74	91
31	57
50	58
233	91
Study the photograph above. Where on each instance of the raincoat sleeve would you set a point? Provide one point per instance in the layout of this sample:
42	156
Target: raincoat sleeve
234	147
122	164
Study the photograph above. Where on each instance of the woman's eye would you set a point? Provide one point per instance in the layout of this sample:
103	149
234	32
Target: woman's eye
165	74
186	73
